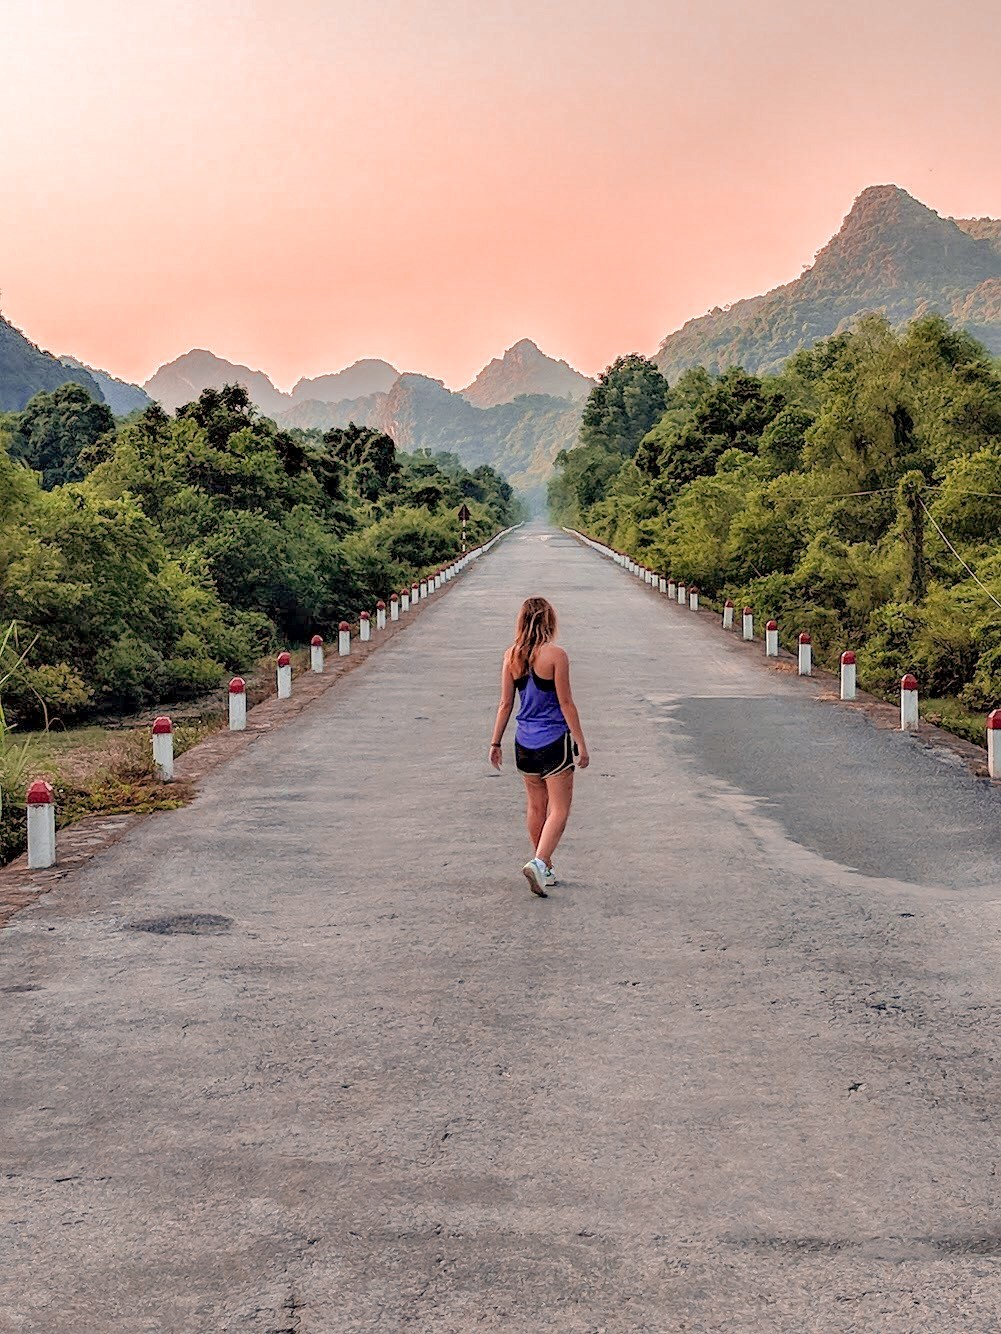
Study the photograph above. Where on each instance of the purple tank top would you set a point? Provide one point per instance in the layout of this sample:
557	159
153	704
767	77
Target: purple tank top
540	718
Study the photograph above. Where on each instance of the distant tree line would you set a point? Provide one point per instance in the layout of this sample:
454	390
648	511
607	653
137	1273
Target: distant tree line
855	495
144	559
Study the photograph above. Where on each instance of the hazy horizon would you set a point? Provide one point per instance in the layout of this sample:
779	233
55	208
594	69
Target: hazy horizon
298	187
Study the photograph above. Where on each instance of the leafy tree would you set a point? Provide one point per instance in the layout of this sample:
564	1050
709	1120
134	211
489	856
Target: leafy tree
628	399
805	494
55	429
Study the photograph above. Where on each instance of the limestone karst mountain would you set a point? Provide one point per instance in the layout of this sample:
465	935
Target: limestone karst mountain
184	378
524	369
520	438
892	254
120	396
365	377
26	370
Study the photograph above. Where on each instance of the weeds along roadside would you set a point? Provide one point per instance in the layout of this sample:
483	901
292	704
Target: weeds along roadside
108	769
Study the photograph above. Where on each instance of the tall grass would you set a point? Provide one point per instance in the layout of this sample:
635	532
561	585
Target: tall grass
13	757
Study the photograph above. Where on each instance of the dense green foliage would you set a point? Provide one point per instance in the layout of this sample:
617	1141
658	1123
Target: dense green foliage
194	543
520	438
829	496
55	429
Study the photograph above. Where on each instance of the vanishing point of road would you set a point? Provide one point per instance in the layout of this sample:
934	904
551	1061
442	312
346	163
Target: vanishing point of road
739	1072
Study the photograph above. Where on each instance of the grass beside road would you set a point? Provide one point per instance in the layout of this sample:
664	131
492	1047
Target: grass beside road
107	769
94	770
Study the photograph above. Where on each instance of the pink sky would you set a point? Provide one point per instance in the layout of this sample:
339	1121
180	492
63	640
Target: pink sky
295	185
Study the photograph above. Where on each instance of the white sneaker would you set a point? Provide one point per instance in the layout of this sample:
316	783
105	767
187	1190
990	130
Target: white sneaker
551	881
535	873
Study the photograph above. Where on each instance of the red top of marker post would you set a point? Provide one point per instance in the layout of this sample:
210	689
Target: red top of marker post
40	793
380	605
994	720
694	589
162	726
317	641
728	602
772	625
805	638
395	597
748	611
284	659
848	659
237	686
344	626
908	682
365	616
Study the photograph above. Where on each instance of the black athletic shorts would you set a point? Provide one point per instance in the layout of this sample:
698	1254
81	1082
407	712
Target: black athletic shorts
546	761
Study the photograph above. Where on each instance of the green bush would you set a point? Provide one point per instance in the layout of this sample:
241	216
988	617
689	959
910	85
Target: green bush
44	694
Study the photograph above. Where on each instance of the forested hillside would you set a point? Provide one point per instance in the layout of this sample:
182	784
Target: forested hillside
855	495
517	415
144	560
25	370
520	438
892	255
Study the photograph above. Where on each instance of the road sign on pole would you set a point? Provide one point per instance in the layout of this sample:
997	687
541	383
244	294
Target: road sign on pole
464	514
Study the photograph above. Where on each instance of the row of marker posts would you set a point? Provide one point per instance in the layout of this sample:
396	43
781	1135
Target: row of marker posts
40	799
677	590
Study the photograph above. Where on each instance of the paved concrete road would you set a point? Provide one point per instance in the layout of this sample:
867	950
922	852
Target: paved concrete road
739	1073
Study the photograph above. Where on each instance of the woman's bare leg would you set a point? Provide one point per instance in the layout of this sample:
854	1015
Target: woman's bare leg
557	814
537	807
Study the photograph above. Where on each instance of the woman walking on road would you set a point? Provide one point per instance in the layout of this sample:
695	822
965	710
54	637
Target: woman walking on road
548	738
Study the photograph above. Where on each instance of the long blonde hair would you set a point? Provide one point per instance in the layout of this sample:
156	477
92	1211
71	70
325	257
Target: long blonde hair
536	626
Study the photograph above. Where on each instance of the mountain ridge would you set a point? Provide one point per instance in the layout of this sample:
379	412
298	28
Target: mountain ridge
121	396
892	254
525	369
26	370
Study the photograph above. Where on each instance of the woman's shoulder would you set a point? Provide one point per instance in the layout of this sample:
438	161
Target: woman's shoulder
550	654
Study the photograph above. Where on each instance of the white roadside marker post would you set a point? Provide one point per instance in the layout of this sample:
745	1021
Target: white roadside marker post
238	704
405	600
805	655
772	639
364	627
343	639
394	607
380	615
41	825
747	623
284	675
682	595
415	594
163	748
316	654
994	743
908	703
672	589
424	588
728	614
848	675
662	583
693	597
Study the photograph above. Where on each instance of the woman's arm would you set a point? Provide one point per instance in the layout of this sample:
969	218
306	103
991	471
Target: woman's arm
561	672
503	713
